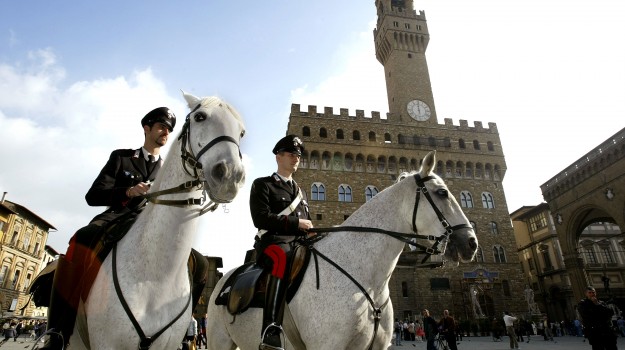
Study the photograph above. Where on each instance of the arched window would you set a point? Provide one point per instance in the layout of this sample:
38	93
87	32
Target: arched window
479	255
371	136
345	193
432	141
493	228
459	169
461	144
387	138
339	134
392	164
323	133
325	160
490	146
360	163
314	160
487	200
381	164
370	192
337	161
476	144
466	200
499	254
349	161
318	192
356	135
403	165
305	131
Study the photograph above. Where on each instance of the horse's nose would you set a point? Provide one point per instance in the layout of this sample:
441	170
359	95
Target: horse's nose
222	172
473	243
219	171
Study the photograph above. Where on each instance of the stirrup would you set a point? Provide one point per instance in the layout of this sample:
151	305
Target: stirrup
264	346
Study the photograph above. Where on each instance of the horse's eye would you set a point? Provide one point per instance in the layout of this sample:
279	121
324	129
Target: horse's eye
200	116
442	192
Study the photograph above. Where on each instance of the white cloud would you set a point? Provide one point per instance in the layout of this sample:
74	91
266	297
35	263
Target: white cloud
55	140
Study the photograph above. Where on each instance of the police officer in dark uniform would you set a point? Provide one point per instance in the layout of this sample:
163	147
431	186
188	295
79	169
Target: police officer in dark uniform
121	185
280	211
597	319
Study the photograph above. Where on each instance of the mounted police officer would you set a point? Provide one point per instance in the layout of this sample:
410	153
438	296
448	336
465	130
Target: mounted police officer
121	185
280	211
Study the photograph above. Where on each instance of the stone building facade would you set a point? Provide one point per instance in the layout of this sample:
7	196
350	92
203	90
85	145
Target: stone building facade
350	157
23	237
541	256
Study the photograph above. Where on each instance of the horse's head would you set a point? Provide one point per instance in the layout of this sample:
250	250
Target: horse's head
437	213
213	130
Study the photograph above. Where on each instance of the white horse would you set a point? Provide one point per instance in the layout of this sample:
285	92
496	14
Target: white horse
151	303
339	314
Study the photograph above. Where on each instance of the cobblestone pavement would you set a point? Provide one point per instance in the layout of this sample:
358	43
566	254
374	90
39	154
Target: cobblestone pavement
468	343
536	343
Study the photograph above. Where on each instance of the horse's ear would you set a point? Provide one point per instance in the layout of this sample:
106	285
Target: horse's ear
429	162
192	101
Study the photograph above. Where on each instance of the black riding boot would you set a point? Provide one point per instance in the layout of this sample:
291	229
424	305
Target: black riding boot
272	314
63	304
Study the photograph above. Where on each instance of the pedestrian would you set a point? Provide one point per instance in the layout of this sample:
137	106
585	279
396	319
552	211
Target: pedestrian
420	332
18	330
620	323
597	320
509	322
279	210
411	331
526	327
430	328
202	333
398	328
547	332
191	335
448	329
9	332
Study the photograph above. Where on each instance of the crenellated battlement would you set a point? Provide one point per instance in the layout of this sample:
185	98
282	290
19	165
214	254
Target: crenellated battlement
314	111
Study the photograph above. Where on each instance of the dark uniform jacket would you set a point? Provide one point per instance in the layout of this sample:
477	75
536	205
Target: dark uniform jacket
597	319
124	169
268	197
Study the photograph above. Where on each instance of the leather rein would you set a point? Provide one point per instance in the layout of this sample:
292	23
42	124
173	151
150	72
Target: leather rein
403	237
199	183
192	167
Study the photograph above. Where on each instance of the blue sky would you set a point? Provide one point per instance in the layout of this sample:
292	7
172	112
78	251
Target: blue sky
76	77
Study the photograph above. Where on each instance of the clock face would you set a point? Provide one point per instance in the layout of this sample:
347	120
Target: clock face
419	110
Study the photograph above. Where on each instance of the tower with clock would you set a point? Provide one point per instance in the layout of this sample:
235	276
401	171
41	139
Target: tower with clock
401	38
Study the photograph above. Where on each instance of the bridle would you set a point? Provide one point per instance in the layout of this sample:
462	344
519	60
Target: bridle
193	168
199	183
408	238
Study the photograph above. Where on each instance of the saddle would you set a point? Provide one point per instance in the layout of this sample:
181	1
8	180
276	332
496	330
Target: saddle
247	285
105	238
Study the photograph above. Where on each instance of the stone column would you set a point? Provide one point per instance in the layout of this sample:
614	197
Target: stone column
579	280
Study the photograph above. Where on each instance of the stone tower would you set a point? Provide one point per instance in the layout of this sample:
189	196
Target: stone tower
401	38
350	157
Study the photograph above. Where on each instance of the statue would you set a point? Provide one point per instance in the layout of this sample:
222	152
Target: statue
529	298
477	309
